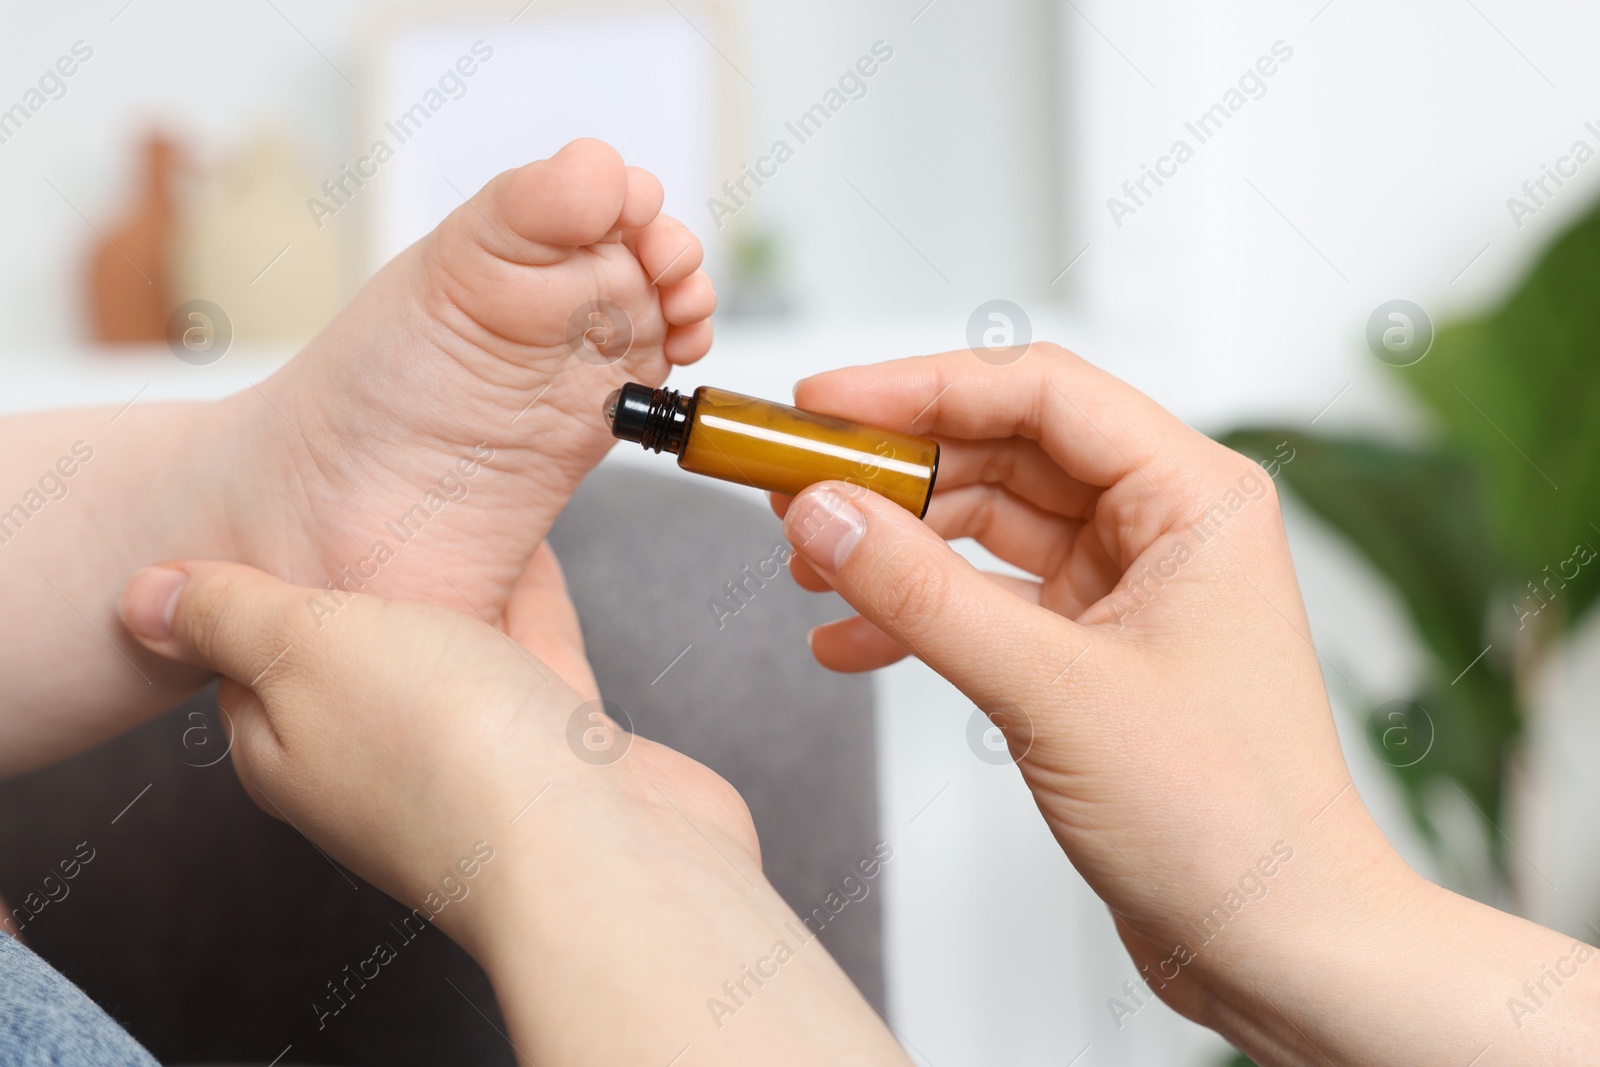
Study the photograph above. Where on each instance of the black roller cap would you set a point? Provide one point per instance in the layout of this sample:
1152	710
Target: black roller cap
628	409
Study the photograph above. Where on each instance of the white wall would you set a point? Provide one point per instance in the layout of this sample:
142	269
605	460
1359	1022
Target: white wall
961	115
209	72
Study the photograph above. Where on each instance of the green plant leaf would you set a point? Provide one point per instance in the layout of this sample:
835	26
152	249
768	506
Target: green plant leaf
1417	516
1517	391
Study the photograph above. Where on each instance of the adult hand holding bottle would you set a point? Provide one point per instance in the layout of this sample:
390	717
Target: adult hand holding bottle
1159	690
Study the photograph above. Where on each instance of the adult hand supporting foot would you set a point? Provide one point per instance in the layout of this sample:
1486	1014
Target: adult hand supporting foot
610	900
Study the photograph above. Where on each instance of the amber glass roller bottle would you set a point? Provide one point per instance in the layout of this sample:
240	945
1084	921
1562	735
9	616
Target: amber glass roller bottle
772	446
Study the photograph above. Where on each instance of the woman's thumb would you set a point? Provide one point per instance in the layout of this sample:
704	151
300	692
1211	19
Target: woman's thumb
905	579
225	617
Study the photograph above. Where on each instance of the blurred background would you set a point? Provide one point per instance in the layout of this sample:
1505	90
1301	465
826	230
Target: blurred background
1373	250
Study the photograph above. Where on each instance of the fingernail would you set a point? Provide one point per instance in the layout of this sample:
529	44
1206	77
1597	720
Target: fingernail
150	600
827	529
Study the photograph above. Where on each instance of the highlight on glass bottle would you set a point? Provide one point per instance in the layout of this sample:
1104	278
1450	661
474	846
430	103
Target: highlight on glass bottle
773	446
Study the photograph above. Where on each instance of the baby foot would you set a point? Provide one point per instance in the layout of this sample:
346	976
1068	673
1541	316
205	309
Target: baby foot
421	445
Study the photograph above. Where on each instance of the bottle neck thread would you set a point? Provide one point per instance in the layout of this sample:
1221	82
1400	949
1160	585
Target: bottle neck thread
666	422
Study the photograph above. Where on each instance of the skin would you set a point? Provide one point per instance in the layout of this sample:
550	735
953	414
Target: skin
1156	683
463	346
407	738
404	737
1174	730
399	734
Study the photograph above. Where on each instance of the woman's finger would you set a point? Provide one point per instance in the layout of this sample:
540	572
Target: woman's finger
1017	464
853	644
1014	530
909	583
1098	429
806	577
225	617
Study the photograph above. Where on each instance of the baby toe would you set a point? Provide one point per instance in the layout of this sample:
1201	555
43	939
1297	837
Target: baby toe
667	250
685	344
643	201
692	299
574	198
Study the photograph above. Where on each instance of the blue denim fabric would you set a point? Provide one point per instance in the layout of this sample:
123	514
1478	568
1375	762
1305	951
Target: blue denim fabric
45	1020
